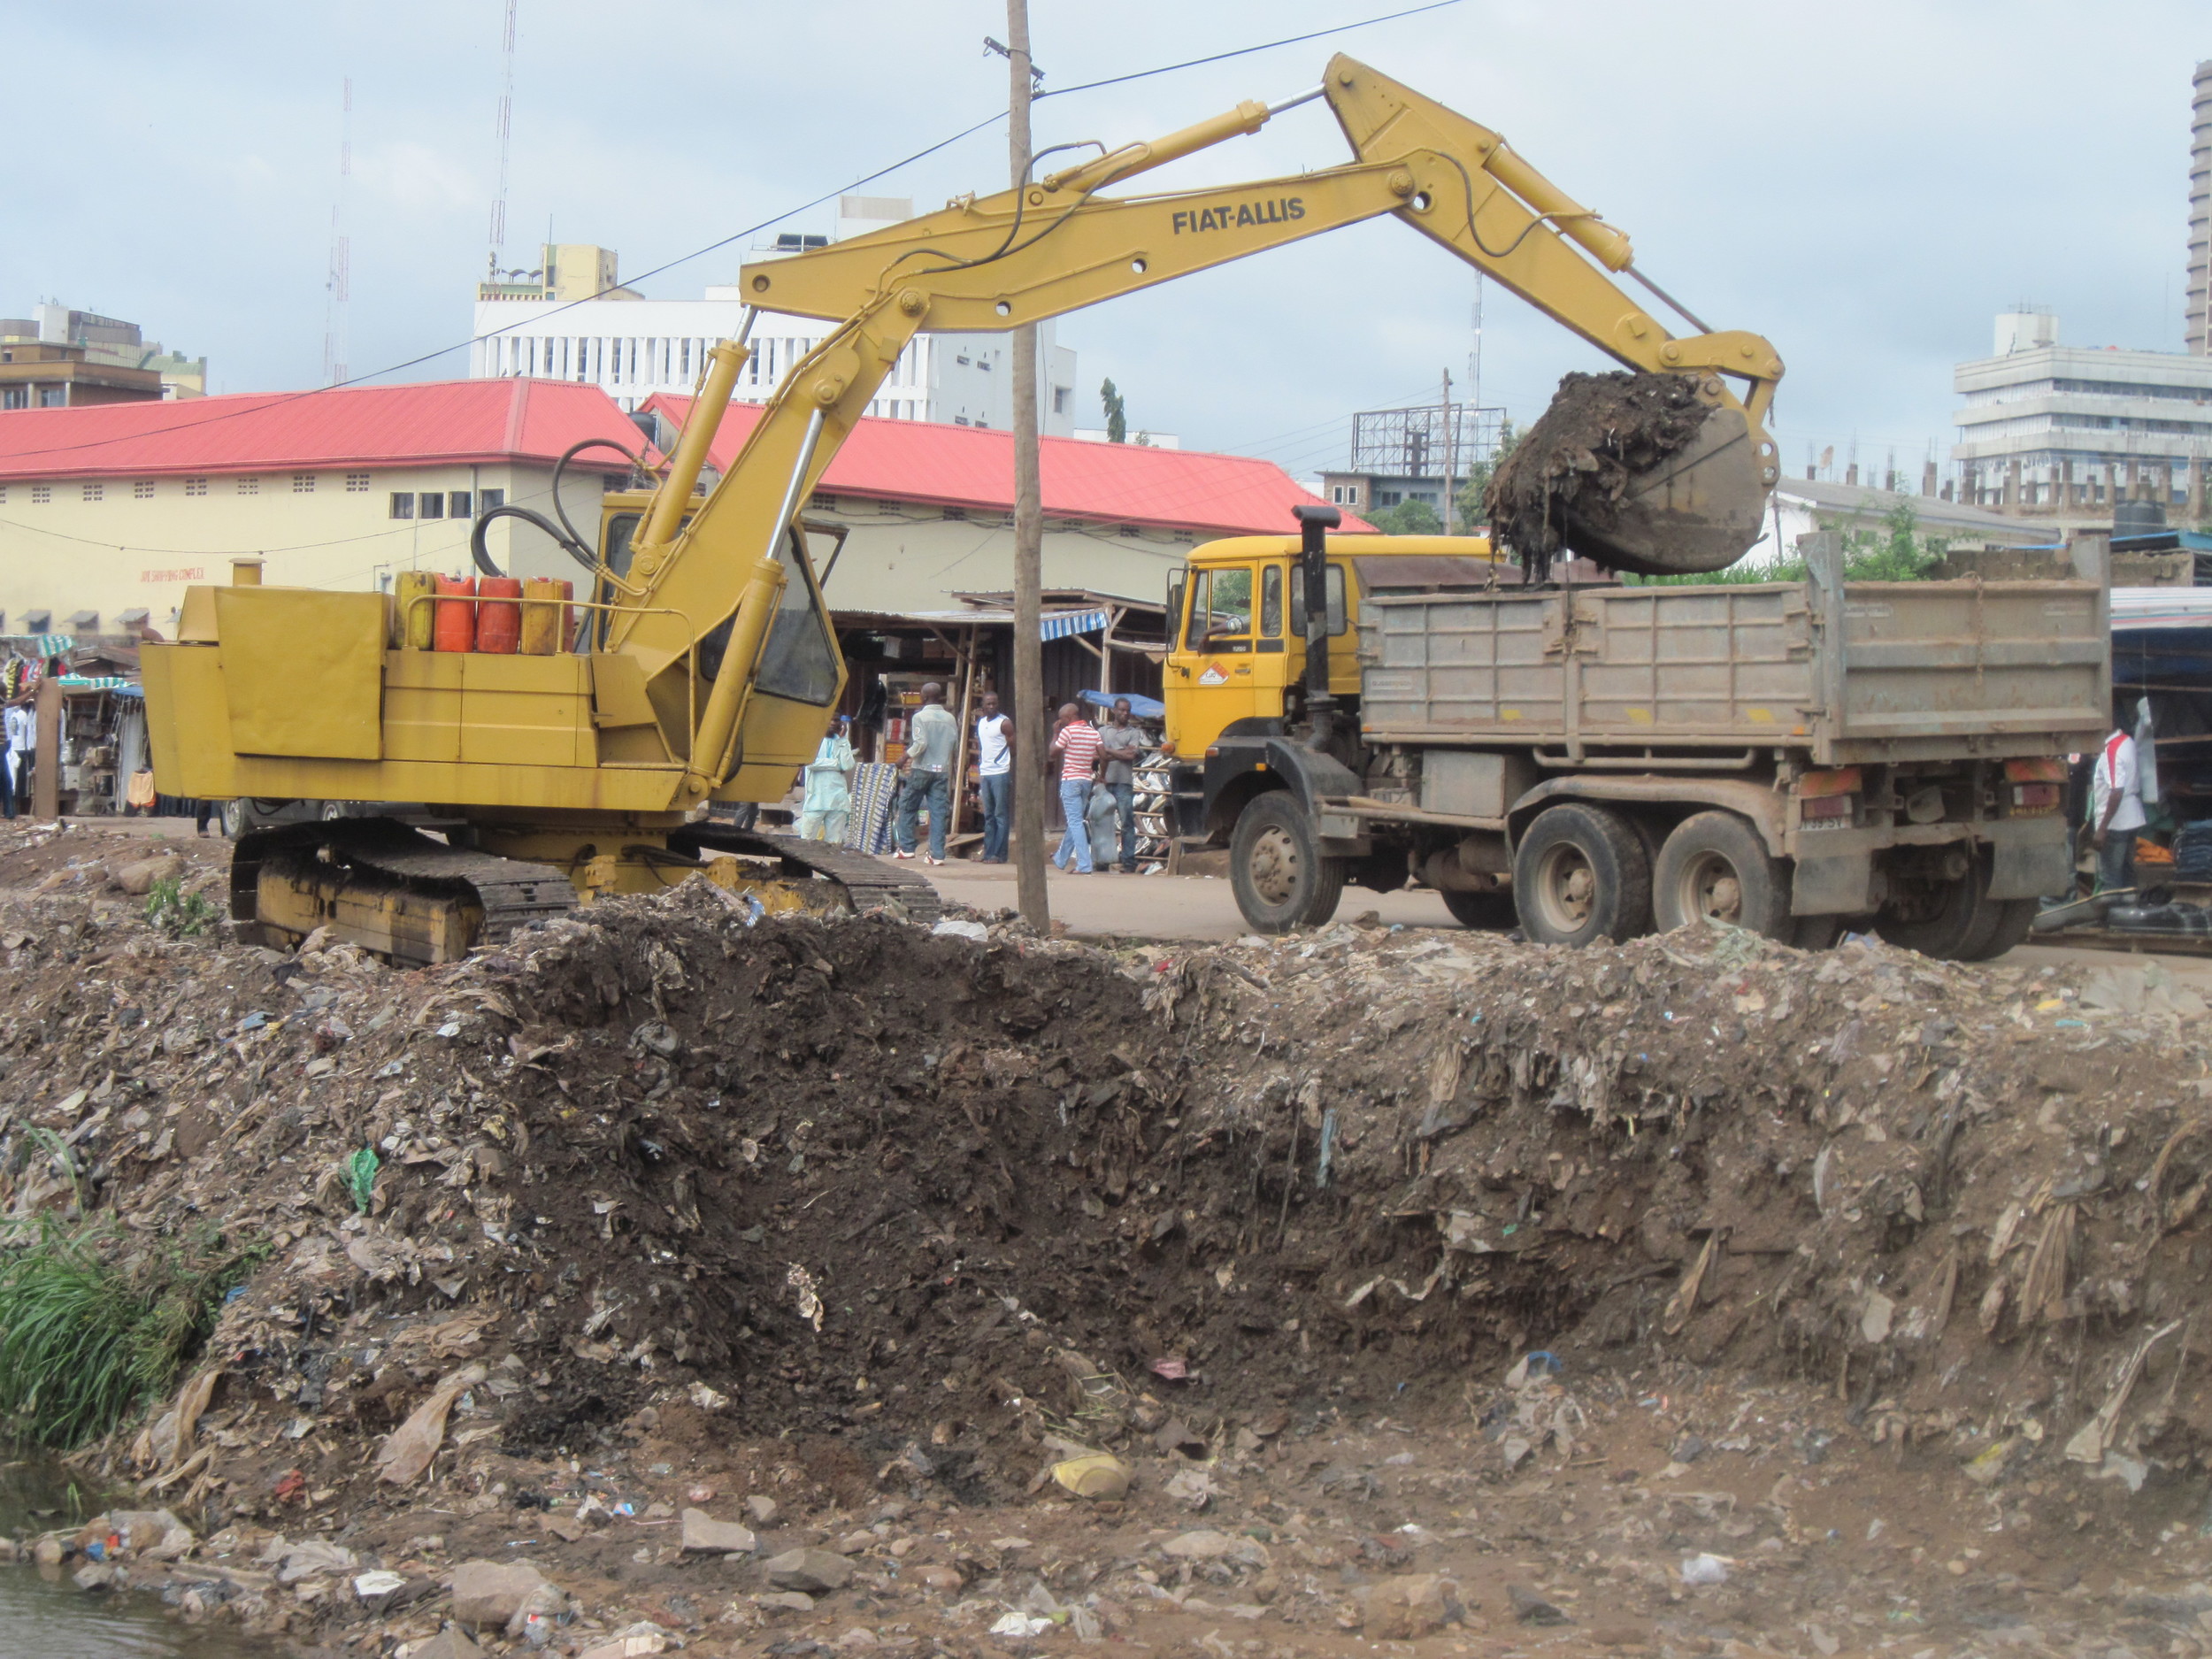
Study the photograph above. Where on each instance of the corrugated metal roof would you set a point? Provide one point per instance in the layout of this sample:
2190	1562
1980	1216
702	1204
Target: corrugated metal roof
973	467
424	423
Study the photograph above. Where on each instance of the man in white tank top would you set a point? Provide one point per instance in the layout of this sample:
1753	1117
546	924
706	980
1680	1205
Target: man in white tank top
994	770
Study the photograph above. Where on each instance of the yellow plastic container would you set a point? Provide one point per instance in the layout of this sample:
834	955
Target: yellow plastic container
415	621
546	616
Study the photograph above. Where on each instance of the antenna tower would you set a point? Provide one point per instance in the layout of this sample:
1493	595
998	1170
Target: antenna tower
338	285
504	124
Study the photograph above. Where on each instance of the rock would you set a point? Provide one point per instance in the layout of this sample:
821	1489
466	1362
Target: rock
1406	1607
853	1543
138	879
492	1592
705	1535
762	1508
814	1571
47	1552
174	1545
97	1576
1199	1546
1532	1609
449	1644
857	1637
945	1578
8	1550
788	1601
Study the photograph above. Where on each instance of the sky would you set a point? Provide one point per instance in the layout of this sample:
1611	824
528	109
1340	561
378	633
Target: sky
1866	186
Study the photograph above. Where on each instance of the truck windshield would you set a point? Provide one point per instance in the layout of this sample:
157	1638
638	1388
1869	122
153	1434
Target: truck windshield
1220	610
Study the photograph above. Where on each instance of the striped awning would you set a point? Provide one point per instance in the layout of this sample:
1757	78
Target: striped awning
1061	624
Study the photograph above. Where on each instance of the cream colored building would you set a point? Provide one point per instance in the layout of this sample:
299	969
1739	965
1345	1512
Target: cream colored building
108	514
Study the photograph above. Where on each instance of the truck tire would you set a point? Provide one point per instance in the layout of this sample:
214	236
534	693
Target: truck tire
1491	911
1944	922
2004	923
1714	867
1580	873
1277	870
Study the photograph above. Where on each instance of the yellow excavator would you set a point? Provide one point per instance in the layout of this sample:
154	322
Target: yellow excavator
704	668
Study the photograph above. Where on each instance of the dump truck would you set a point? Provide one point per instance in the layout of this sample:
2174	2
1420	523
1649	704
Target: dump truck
1791	757
703	669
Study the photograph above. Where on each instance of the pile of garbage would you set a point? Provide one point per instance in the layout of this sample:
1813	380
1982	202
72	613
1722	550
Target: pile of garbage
969	1208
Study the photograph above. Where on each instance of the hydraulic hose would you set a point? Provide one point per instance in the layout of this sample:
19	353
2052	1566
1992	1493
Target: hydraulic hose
570	543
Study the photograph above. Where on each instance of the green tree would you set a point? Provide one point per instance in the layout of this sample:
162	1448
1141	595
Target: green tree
1469	501
1117	414
1408	518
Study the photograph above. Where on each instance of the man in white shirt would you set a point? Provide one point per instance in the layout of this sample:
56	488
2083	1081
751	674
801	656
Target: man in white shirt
995	773
22	742
2116	811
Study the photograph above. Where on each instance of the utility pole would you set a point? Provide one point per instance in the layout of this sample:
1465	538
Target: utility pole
1029	534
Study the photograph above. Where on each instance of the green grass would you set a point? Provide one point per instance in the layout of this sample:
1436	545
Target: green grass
177	913
90	1330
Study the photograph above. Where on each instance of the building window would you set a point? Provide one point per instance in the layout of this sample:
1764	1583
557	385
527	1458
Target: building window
41	493
249	487
94	492
403	503
458	505
356	483
195	486
1336	494
53	397
1060	396
488	499
302	483
15	397
430	504
143	489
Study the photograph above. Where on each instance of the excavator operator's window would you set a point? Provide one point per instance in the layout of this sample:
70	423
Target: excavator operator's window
799	660
1335	579
1220	610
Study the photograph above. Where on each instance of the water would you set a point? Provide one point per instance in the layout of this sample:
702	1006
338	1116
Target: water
42	1615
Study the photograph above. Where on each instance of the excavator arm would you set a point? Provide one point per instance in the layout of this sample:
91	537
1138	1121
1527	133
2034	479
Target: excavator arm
1055	245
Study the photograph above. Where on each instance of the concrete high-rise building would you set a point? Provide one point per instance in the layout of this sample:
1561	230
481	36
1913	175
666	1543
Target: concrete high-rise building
2198	324
637	349
61	358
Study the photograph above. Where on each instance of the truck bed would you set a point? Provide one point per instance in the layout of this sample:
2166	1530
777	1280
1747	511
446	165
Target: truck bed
1846	673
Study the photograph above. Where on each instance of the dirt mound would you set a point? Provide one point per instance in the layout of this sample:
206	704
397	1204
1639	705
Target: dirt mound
1570	471
917	1209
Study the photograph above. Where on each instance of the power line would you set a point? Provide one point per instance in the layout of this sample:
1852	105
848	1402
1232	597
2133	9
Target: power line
537	315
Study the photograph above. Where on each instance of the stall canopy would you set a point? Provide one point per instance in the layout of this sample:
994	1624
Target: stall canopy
1143	708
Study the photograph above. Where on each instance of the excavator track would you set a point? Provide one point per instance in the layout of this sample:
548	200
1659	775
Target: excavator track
388	889
869	882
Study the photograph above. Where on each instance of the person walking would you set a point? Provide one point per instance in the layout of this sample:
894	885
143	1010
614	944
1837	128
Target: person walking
826	806
1075	741
994	775
1121	744
2115	812
932	737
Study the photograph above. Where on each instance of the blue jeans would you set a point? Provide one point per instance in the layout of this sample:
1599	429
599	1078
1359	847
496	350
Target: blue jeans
998	807
934	787
2115	861
1075	843
1126	814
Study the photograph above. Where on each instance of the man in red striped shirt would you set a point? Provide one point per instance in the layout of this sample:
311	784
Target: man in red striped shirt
1075	741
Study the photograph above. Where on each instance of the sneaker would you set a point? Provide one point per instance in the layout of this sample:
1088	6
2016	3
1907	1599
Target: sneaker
936	861
899	855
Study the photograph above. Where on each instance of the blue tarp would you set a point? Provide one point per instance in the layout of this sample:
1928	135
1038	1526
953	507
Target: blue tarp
1143	708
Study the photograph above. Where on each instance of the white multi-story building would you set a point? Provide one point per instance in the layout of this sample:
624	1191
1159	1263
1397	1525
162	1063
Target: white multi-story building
2060	430
635	347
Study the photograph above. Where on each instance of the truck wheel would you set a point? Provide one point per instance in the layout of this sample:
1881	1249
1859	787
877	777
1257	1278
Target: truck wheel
1278	871
2004	923
1491	911
1580	874
1714	868
1940	920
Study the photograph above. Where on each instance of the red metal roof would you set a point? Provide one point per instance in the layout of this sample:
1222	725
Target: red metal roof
424	423
973	467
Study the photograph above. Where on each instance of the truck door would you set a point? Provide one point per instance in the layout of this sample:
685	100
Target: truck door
1211	675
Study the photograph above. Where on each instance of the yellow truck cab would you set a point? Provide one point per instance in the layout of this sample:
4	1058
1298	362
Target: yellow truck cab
1237	623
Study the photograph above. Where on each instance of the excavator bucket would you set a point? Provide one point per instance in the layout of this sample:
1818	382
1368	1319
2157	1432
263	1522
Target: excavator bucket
1654	473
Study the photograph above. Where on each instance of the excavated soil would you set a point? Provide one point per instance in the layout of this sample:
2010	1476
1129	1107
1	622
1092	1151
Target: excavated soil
1570	470
1376	1254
